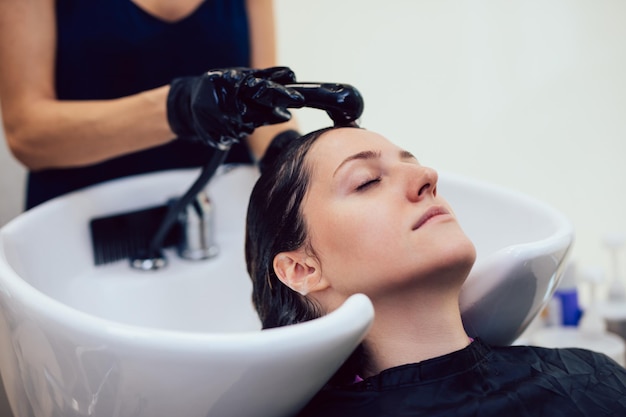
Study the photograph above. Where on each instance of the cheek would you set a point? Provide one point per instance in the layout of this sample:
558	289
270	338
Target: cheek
353	239
333	234
362	222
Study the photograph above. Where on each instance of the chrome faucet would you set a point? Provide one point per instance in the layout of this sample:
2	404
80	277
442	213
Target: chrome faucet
197	229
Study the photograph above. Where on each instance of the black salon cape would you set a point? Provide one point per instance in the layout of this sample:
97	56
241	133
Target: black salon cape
485	381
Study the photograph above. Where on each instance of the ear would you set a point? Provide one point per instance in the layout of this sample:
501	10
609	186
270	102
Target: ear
299	271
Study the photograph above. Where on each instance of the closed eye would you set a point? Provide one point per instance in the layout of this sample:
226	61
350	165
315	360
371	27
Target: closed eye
367	184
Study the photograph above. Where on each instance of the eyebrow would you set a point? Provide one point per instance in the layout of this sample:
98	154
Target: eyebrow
367	155
407	155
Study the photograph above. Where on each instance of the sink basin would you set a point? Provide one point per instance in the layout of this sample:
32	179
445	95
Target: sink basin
81	340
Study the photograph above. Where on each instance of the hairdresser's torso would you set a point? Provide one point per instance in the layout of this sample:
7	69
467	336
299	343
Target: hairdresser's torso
114	48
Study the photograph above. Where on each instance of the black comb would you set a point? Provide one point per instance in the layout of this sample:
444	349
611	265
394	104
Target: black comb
122	235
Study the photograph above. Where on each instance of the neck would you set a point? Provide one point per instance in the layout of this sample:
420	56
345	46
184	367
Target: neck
412	329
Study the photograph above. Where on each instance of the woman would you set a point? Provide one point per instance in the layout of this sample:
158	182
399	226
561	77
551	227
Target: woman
344	211
84	85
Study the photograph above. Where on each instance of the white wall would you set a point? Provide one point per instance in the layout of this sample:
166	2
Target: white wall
12	177
528	94
11	194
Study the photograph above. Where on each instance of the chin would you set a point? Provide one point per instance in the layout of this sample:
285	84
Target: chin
455	258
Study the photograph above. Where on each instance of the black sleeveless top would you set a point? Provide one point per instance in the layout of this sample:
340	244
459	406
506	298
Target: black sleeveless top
112	48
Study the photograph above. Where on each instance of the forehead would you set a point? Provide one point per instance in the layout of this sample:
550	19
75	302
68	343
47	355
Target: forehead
332	147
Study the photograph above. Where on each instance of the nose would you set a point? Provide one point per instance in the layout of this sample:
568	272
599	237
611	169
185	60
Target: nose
422	183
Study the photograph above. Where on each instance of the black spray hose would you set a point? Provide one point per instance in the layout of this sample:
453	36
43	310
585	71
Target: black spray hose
342	102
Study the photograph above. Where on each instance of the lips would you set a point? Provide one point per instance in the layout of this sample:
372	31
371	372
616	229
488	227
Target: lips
430	213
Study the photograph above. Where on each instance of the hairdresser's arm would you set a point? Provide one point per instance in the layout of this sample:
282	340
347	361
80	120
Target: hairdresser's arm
43	132
263	40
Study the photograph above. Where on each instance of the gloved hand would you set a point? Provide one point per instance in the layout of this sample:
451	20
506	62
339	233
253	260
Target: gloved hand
223	105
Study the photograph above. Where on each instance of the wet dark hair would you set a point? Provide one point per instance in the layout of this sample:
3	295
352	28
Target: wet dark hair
275	224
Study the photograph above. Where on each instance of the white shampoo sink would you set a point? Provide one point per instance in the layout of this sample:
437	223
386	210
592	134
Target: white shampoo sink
109	341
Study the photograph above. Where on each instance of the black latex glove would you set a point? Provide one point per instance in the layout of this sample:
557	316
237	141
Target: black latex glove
223	105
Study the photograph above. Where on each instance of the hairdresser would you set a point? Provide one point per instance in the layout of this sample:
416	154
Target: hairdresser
101	89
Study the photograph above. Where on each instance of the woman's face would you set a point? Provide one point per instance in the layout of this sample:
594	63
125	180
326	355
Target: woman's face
375	220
